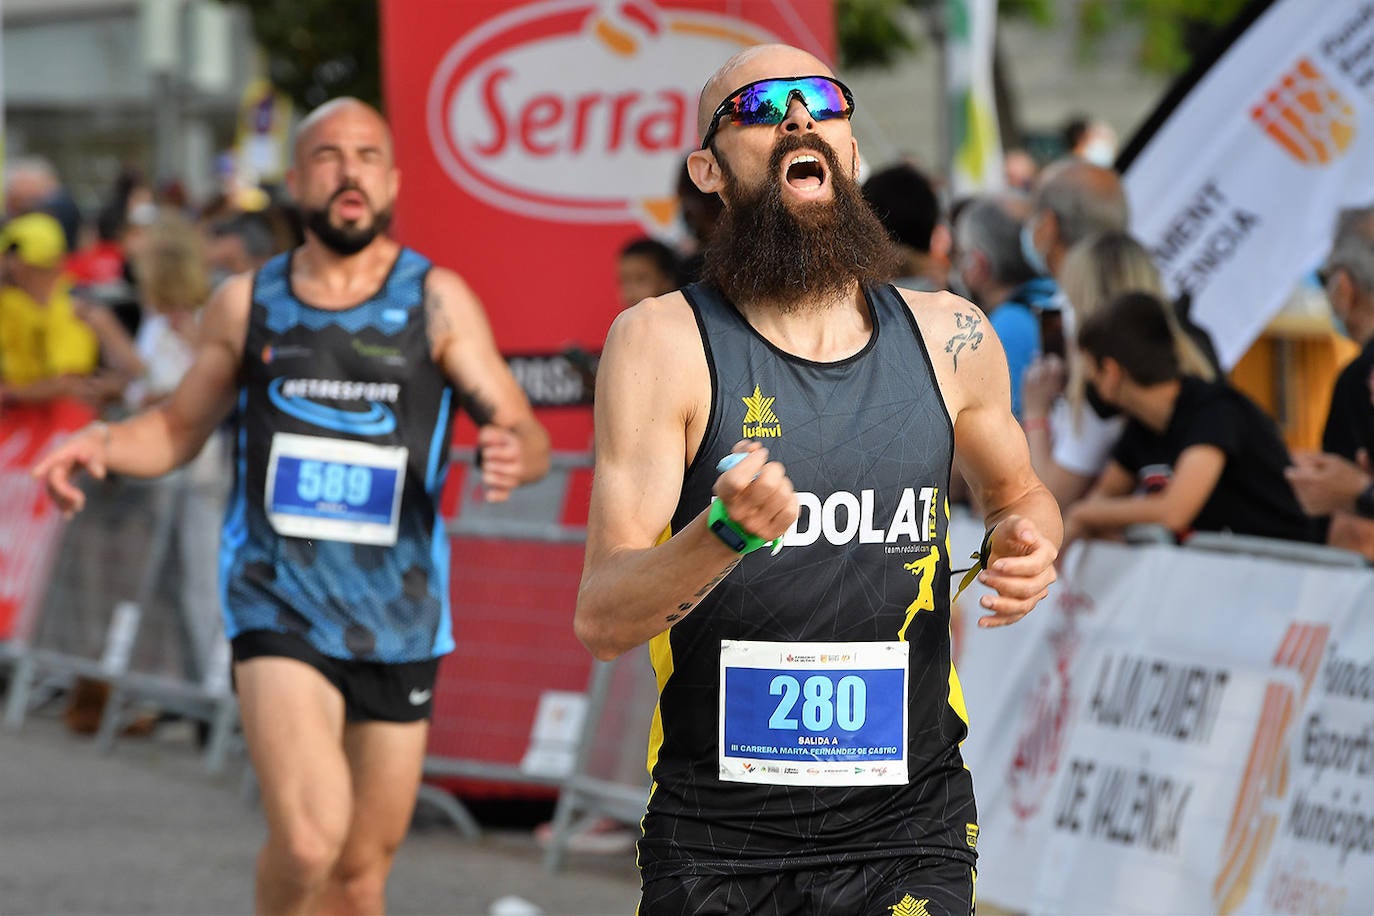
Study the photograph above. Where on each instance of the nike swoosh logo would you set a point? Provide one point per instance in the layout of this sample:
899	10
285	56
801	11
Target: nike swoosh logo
419	697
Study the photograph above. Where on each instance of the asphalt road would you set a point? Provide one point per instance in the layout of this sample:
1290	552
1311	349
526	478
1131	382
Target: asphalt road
147	831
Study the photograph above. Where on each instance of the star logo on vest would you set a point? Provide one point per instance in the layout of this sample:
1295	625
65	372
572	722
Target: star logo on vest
760	414
910	906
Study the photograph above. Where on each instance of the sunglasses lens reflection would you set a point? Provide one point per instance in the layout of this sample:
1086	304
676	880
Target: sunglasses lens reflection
767	102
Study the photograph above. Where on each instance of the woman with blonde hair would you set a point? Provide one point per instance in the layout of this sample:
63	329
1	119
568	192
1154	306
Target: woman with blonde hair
173	283
1069	444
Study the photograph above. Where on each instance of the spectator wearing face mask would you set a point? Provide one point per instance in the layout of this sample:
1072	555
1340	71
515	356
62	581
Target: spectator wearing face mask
1071	433
1194	456
995	275
1090	139
1072	200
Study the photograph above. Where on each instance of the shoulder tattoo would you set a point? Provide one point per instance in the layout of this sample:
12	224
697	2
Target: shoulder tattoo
968	335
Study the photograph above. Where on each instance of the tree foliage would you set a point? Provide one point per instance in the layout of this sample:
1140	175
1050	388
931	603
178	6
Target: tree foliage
318	49
874	33
1173	32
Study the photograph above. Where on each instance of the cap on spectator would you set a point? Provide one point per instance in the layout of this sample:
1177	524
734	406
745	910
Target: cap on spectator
36	238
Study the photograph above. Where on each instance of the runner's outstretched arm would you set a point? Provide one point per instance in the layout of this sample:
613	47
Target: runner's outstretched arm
172	432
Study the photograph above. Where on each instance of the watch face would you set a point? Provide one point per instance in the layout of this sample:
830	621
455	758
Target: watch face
729	535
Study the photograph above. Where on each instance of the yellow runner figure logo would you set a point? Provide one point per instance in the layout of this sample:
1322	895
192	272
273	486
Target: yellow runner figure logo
760	414
924	571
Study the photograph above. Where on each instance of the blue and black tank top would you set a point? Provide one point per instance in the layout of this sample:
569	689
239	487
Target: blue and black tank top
344	420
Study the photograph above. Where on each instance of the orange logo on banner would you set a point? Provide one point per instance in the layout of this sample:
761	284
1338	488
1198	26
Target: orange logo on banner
1306	116
1255	816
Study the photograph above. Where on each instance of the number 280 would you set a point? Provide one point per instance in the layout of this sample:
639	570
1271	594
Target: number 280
844	702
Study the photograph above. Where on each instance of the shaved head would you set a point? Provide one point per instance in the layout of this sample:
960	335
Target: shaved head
344	105
754	63
344	175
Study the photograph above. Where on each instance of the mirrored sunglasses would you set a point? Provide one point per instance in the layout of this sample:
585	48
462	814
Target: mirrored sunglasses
767	101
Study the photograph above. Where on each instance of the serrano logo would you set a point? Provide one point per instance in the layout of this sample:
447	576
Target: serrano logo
1304	114
1255	818
541	110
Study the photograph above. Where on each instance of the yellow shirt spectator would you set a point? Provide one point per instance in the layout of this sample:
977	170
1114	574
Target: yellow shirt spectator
40	341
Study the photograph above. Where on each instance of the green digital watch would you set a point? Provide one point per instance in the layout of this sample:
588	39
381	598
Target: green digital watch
729	531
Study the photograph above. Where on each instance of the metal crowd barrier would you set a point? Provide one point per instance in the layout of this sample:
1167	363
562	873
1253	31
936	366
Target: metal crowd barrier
111	615
523	547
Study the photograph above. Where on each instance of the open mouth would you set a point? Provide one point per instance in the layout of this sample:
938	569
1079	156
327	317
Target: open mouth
351	205
805	172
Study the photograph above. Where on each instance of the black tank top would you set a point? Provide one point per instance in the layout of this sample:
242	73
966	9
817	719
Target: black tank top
867	442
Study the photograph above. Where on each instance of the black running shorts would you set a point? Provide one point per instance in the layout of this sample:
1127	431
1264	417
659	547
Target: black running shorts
372	691
926	886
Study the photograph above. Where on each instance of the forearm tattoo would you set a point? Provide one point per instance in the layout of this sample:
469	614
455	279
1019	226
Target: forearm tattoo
702	592
968	336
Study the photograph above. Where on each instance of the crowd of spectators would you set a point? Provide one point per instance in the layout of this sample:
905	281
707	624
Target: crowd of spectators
1127	411
75	295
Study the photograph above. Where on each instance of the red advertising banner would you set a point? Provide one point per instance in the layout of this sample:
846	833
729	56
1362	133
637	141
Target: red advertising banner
536	138
29	521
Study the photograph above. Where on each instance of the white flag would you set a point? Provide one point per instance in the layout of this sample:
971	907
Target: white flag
1235	182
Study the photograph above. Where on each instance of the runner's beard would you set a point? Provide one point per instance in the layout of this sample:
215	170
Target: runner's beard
345	240
767	251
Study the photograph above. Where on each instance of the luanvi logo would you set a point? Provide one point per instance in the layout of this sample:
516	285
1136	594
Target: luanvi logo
1306	115
759	420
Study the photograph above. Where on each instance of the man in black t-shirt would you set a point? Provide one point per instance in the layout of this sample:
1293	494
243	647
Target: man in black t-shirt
1338	480
1195	455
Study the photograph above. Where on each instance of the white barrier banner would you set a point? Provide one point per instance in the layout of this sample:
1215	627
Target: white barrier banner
1178	732
1235	182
